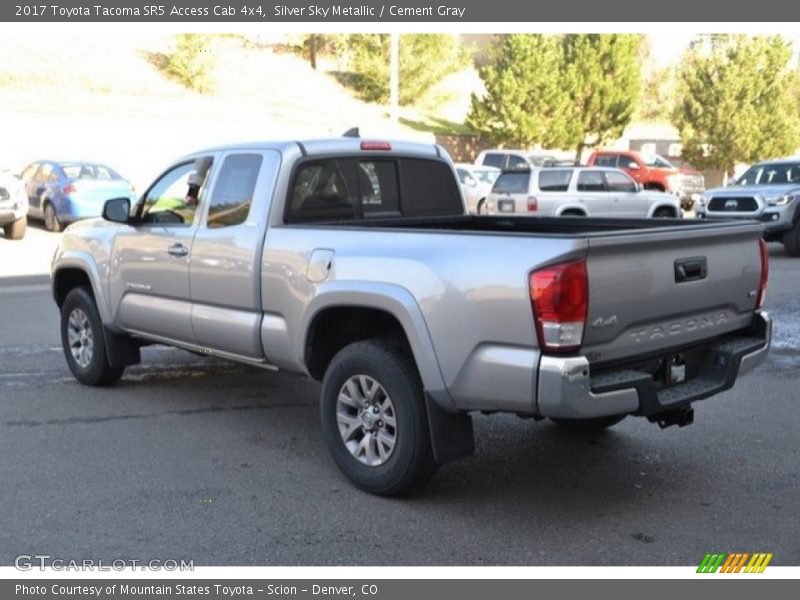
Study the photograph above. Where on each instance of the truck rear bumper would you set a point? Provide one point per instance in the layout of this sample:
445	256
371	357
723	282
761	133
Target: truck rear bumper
567	389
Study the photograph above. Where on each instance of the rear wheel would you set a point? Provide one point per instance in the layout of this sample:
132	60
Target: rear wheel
663	213
589	425
51	222
16	230
374	418
83	342
791	240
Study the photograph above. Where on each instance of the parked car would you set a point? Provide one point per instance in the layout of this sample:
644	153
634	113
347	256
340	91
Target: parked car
476	183
63	192
356	263
578	191
514	159
13	206
654	173
768	191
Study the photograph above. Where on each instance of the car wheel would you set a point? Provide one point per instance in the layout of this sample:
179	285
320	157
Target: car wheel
83	342
791	241
589	425
663	213
374	419
51	222
16	230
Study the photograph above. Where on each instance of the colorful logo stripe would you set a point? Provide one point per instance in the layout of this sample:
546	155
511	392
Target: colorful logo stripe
734	562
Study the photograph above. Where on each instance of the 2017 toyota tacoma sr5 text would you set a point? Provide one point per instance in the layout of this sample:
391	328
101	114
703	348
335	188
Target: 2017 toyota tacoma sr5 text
356	263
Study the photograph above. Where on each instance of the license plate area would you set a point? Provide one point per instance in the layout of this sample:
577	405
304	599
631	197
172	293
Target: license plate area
505	206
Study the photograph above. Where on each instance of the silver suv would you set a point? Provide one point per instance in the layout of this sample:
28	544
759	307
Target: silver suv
578	192
769	192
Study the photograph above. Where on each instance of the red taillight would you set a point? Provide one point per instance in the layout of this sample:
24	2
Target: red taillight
380	146
533	205
68	189
762	283
560	301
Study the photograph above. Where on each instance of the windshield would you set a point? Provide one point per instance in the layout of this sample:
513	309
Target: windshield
512	183
771	174
658	162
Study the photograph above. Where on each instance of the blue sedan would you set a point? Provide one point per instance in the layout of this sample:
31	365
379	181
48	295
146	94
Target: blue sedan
63	192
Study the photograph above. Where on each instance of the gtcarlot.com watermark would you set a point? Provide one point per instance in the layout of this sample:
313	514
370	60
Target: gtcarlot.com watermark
42	562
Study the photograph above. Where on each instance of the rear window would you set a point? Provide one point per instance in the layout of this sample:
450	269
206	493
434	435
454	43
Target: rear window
555	181
88	171
512	183
347	189
605	160
233	192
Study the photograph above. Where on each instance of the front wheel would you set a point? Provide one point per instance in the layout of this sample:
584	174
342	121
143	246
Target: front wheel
51	222
791	241
83	342
374	418
589	425
16	230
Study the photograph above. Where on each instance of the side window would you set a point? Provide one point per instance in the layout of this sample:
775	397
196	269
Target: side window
606	161
619	182
233	191
516	162
555	181
45	172
173	199
493	159
591	181
626	162
29	171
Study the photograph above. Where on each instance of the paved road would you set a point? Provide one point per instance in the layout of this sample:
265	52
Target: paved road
194	458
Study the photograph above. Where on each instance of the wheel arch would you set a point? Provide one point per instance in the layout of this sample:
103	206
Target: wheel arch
75	270
347	312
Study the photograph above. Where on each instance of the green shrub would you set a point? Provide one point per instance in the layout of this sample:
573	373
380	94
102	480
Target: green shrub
192	62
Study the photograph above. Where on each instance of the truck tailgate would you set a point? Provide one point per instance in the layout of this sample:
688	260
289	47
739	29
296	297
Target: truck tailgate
669	287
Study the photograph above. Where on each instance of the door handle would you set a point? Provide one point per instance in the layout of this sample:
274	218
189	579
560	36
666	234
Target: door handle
178	250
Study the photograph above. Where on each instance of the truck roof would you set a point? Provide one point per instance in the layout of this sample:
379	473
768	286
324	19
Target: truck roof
337	145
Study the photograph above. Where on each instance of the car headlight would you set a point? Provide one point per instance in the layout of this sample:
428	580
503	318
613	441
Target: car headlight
780	200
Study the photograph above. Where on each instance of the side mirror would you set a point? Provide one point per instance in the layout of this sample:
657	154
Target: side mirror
117	210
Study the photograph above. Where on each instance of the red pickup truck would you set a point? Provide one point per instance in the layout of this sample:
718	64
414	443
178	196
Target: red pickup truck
654	173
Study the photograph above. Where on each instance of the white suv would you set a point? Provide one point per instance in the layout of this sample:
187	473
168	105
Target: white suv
580	192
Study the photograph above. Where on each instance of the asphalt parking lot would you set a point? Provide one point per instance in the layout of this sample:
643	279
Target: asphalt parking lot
198	459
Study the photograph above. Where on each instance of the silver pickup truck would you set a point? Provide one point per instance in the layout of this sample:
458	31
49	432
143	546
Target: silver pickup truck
355	262
768	192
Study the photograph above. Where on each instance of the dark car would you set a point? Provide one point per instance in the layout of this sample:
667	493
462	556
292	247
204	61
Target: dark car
63	192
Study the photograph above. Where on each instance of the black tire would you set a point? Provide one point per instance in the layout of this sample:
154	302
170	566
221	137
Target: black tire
663	213
481	204
791	241
51	222
589	425
97	371
16	230
573	213
411	461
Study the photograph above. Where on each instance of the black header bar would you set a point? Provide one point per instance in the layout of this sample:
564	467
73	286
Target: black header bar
405	11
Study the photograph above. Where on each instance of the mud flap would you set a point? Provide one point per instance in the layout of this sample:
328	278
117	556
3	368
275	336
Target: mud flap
451	433
121	351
